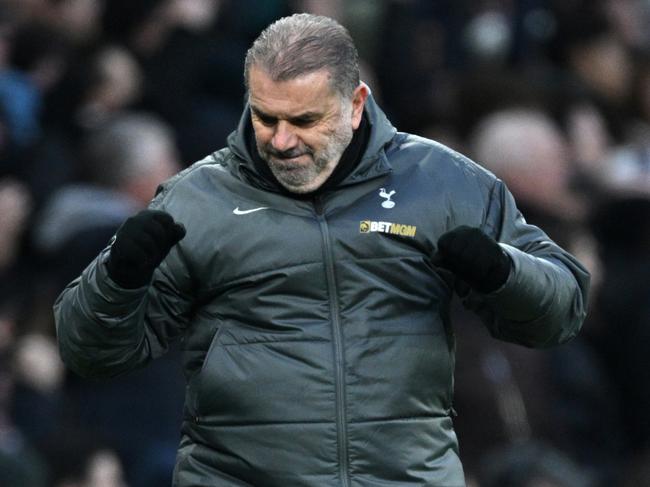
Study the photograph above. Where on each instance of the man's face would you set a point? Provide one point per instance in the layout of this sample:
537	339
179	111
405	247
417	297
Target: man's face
302	126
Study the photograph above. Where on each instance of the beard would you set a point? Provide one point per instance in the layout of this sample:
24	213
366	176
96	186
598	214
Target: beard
300	176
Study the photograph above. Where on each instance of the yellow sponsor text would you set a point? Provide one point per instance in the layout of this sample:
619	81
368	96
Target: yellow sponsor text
369	226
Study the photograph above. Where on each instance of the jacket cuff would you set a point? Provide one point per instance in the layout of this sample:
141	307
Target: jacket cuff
103	293
527	294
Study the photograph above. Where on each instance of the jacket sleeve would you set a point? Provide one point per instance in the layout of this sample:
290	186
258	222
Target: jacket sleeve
104	330
544	300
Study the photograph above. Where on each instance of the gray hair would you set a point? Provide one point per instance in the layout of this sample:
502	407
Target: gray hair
126	147
304	43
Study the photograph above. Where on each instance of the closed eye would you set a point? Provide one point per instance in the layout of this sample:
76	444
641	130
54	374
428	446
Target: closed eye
266	120
302	121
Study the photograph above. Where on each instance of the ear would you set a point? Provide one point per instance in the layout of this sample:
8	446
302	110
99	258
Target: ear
358	102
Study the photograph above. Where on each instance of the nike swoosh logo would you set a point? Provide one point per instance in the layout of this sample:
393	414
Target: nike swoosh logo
237	211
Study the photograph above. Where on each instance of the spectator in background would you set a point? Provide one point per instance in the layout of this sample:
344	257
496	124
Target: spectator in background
37	60
37	401
596	63
602	49
192	73
526	149
412	80
78	20
600	382
15	210
80	458
20	464
125	160
36	63
100	83
627	166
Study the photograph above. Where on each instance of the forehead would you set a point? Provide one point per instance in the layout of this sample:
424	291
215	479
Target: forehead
286	98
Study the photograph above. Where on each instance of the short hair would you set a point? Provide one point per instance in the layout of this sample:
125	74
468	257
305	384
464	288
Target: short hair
304	43
125	147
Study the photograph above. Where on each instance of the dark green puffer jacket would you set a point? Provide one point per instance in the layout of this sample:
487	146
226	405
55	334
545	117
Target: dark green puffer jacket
318	349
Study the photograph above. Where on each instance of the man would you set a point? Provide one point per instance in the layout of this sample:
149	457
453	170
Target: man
308	269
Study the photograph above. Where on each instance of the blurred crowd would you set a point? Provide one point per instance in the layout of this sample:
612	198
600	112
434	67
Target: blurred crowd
101	100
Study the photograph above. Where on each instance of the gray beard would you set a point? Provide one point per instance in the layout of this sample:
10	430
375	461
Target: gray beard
295	179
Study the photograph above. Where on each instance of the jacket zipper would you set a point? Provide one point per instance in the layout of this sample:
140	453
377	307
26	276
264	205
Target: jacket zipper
339	359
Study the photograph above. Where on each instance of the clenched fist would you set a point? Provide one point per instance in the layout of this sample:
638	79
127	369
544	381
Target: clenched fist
474	257
140	245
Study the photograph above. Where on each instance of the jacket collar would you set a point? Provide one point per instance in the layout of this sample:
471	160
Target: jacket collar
373	162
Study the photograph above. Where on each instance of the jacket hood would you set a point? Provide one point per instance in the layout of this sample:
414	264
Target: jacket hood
373	162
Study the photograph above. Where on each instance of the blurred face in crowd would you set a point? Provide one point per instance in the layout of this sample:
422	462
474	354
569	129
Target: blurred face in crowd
195	15
605	65
302	126
105	470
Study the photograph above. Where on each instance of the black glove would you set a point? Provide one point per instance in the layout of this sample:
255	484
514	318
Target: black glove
141	244
473	257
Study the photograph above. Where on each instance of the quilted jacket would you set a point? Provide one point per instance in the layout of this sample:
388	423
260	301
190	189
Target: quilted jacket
316	334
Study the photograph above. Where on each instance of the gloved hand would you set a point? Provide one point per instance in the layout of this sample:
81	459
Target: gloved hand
140	245
473	257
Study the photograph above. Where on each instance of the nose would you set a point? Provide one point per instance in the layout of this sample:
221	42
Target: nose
284	138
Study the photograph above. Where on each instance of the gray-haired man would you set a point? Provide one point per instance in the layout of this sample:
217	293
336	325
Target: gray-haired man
308	269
